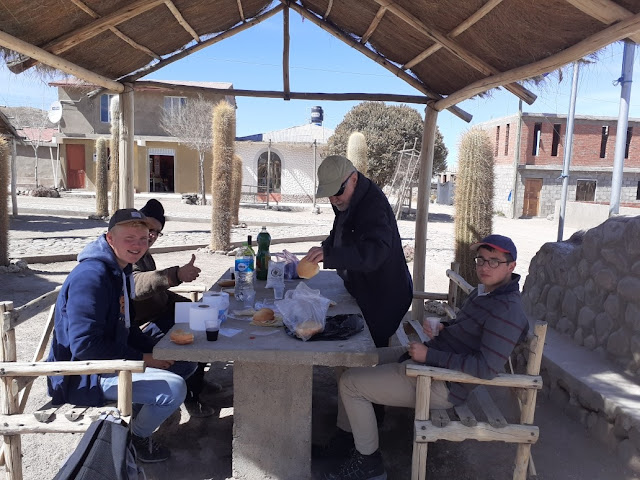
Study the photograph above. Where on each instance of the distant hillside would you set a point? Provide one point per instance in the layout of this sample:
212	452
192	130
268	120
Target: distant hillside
21	117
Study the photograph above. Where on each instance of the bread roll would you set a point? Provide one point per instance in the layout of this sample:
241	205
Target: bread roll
181	337
263	315
308	329
307	269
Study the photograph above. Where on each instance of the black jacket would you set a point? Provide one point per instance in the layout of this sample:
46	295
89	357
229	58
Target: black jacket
364	247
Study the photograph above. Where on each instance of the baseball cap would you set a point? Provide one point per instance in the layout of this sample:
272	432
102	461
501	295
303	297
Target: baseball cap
127	215
499	242
154	209
331	173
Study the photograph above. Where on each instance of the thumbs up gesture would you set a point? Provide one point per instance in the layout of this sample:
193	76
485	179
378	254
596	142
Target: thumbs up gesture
189	272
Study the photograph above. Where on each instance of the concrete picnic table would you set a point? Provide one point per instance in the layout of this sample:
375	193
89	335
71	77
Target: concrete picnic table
272	381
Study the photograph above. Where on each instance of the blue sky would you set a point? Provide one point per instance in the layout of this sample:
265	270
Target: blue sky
321	63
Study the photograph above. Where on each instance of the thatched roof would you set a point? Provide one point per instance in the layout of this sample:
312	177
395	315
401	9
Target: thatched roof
444	48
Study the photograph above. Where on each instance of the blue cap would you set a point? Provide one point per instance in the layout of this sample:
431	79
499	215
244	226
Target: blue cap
498	242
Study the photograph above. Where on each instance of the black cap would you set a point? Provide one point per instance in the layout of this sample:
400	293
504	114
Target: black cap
127	215
154	209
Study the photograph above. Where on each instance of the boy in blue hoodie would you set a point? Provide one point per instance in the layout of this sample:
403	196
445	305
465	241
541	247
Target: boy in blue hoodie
92	322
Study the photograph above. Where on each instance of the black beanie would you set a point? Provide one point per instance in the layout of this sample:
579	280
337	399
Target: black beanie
154	209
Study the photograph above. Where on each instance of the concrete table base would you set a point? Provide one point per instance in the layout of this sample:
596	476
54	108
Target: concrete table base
272	421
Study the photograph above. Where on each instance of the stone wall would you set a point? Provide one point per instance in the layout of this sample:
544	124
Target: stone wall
588	288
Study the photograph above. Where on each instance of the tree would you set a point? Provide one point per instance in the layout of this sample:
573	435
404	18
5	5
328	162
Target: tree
32	123
191	125
386	129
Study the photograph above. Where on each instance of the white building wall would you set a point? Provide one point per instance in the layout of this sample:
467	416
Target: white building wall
502	186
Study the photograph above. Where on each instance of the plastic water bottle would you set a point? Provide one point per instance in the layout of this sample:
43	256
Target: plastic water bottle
244	269
262	258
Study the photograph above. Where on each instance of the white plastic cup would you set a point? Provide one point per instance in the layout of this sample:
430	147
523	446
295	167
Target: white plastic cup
434	324
278	292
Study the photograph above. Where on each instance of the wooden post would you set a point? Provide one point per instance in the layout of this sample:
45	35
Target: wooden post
423	399
452	297
125	392
14	176
126	147
422	213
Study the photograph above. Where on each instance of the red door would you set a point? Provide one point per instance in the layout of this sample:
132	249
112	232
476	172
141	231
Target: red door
75	166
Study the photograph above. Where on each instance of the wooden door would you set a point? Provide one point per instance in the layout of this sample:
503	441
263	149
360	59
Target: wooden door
532	188
75	166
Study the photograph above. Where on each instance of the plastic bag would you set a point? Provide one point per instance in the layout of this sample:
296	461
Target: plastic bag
337	327
304	311
291	264
275	275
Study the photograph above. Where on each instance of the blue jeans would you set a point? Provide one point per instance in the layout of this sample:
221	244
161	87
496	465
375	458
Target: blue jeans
156	394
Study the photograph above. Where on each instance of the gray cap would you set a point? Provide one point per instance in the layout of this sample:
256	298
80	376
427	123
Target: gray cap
331	173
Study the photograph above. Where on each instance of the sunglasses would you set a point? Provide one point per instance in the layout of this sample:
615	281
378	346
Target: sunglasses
343	186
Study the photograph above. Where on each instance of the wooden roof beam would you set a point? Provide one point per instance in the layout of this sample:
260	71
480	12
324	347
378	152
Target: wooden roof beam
466	24
241	11
326	14
176	13
623	29
81	5
462	53
605	11
285	53
71	39
374	24
40	55
414	82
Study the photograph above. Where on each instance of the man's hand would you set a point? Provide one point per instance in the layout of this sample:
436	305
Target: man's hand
315	255
418	352
188	272
149	361
426	328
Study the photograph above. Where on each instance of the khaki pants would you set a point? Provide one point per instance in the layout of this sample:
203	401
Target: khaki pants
385	384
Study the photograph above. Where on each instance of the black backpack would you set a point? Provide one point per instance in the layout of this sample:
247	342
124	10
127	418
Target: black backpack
105	452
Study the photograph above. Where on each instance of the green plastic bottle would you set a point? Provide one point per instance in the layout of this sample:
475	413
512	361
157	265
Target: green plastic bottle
262	257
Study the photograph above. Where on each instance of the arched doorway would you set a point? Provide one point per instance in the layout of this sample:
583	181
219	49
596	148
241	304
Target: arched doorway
274	177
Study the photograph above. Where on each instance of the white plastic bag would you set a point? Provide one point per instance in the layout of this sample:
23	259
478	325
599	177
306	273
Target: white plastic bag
304	311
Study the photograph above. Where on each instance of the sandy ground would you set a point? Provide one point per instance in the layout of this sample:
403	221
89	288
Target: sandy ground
564	450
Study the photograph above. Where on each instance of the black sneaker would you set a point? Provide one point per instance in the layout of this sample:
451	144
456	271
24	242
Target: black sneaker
149	451
197	409
360	467
339	447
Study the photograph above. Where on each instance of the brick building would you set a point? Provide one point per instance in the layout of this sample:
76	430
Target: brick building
527	179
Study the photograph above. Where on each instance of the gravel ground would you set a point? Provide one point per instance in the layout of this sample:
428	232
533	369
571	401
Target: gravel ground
563	452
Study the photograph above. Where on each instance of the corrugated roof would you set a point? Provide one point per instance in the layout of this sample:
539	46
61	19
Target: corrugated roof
300	134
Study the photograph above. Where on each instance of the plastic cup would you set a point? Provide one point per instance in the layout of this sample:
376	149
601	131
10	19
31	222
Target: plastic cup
248	298
434	324
278	292
212	328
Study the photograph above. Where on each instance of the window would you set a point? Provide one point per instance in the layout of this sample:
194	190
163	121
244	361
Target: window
495	147
638	192
586	191
604	136
105	103
556	139
626	149
506	140
275	169
537	133
173	105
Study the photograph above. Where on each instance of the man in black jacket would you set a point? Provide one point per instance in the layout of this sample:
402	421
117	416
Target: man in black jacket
364	247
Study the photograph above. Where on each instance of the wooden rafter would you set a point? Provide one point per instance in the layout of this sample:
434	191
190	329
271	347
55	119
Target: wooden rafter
462	53
468	23
71	39
194	48
241	11
618	31
176	13
374	25
40	55
414	82
326	14
605	11
285	53
115	31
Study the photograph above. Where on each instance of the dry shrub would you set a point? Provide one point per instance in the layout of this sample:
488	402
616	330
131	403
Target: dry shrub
223	128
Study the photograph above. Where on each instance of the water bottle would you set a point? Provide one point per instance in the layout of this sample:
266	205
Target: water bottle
262	258
244	269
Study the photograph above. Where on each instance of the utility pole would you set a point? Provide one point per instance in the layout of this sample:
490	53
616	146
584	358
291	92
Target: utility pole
623	122
568	144
315	173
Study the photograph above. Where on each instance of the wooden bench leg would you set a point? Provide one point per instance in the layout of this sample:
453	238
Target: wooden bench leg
125	392
419	458
522	461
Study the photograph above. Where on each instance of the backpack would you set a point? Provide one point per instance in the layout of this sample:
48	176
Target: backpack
105	452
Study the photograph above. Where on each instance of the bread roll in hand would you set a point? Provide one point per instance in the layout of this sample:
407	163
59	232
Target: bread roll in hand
307	269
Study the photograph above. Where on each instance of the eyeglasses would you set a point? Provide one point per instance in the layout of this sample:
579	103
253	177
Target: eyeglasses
155	233
343	186
493	263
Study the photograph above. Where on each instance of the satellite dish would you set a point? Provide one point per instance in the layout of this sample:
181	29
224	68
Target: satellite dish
55	112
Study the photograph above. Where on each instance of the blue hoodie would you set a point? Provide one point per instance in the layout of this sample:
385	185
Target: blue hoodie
92	323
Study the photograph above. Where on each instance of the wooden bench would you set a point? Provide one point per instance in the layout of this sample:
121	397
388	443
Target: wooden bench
479	418
17	379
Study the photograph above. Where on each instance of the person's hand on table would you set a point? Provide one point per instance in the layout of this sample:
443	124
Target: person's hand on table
149	361
315	255
188	272
418	352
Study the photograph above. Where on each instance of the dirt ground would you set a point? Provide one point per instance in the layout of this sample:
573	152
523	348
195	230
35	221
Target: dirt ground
202	447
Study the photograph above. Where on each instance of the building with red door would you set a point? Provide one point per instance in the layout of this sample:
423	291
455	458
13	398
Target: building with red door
529	152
